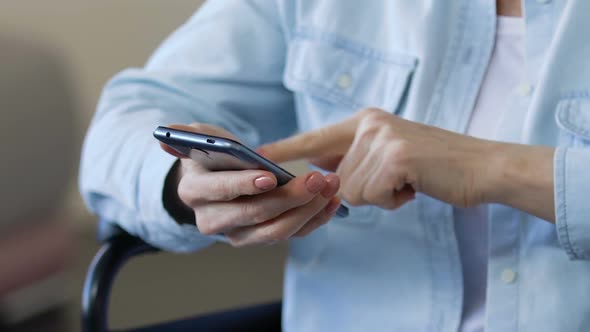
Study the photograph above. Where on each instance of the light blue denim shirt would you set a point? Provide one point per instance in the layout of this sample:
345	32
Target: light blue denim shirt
264	69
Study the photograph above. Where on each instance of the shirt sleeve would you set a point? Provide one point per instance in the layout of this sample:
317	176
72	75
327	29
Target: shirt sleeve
572	207
223	67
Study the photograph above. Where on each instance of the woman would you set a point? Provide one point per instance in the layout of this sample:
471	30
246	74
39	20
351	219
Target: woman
461	140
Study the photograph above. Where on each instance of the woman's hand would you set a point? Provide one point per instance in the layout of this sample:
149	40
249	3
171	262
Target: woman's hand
247	206
383	160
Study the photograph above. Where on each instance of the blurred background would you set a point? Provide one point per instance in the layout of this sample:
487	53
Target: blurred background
55	56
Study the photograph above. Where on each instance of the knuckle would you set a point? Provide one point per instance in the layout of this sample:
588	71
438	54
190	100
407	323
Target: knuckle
255	212
266	236
372	126
209	222
372	115
235	241
398	151
371	196
367	132
352	199
274	235
188	196
370	112
280	237
205	227
223	190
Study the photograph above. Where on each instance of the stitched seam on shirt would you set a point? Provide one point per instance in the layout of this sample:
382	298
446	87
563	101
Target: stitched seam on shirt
433	113
577	251
565	206
458	280
478	68
563	229
571	246
330	92
566	115
519	268
272	20
402	61
450	57
576	94
429	248
399	59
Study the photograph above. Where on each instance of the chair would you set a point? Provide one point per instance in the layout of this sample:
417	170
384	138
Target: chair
119	247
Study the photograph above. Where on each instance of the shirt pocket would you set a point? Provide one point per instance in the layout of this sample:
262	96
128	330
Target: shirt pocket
573	117
346	75
332	78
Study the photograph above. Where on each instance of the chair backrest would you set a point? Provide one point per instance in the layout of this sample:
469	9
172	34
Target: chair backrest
118	247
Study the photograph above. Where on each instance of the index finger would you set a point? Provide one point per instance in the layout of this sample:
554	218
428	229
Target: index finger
333	140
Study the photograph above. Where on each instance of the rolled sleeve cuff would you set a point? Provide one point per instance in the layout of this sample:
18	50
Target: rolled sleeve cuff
157	226
572	204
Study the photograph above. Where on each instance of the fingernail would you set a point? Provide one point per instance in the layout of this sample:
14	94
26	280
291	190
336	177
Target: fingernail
333	184
332	206
315	183
264	183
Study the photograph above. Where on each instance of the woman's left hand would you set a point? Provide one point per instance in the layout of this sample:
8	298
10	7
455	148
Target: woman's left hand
383	160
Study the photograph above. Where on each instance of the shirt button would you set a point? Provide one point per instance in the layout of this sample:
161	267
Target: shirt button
525	89
344	81
508	276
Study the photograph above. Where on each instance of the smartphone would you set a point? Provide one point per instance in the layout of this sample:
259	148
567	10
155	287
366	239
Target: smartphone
223	154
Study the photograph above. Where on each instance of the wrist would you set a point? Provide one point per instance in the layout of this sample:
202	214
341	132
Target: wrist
501	166
516	170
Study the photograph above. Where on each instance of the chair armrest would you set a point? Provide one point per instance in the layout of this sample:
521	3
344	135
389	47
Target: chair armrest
118	247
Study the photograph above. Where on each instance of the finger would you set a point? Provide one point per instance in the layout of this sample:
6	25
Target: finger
172	151
334	139
380	180
281	228
325	215
217	217
354	169
196	188
388	187
329	163
354	181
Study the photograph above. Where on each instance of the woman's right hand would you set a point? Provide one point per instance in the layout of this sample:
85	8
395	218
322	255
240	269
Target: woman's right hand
247	206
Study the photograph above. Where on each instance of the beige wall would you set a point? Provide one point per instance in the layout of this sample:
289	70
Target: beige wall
97	39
